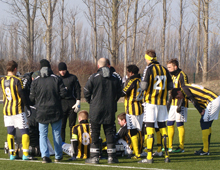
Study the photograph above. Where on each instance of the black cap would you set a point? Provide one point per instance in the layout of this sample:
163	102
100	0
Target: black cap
62	66
44	63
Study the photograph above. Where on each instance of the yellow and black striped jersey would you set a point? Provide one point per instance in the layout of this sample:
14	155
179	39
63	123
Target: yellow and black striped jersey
12	102
133	96
82	133
179	80
201	94
157	80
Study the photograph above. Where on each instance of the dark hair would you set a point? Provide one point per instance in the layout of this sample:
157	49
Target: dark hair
151	53
122	116
11	65
174	93
133	69
174	61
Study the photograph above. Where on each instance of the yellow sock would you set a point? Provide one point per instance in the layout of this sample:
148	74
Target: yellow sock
181	130
159	144
150	141
170	130
205	139
163	132
25	144
145	143
134	142
11	144
210	132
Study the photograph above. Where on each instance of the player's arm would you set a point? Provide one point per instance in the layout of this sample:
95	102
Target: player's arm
128	87
77	88
169	81
121	133
88	89
23	95
189	96
145	79
62	89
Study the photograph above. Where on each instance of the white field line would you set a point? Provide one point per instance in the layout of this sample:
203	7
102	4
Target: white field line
98	165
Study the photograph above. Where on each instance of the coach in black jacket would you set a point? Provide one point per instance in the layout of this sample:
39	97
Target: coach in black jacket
46	92
102	92
71	103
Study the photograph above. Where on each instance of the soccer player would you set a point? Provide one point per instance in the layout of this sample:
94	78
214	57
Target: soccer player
156	82
208	105
81	137
14	99
177	112
133	107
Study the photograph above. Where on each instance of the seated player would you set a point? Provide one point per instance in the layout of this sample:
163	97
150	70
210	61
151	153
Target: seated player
124	137
208	105
81	138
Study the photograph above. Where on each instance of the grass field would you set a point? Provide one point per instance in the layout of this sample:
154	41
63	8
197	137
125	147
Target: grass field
181	161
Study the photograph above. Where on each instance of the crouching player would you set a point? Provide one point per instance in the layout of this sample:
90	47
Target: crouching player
208	105
81	139
124	137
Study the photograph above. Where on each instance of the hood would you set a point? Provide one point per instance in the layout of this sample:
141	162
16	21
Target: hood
104	71
45	72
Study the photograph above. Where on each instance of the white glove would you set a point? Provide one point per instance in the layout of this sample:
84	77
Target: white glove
124	79
76	107
28	114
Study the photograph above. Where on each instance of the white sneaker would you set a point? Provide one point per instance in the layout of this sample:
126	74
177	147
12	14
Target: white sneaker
158	153
143	154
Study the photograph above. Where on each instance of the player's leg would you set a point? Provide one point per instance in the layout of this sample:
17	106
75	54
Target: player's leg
94	147
181	130
111	149
63	127
72	120
159	143
11	143
162	127
135	142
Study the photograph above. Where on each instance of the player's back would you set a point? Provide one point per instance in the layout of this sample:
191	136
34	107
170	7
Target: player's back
11	98
157	77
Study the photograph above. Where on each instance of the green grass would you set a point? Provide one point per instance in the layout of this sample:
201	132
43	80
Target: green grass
180	161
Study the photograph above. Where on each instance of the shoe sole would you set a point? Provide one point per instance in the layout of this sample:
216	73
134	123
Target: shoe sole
204	153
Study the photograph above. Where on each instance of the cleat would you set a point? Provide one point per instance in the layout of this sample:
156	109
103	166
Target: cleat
94	160
201	152
166	160
46	160
58	160
143	154
12	157
158	153
136	157
147	161
169	149
112	160
26	158
178	150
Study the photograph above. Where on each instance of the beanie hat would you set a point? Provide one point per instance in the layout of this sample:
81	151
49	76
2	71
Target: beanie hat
44	63
62	66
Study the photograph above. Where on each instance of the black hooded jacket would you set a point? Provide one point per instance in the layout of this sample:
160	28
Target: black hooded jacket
46	92
102	92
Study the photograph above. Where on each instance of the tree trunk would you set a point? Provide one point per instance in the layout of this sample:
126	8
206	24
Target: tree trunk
180	31
164	31
198	39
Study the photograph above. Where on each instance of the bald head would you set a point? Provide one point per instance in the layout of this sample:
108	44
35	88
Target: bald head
102	62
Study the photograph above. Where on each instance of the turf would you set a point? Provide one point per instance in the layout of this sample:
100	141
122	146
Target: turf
181	161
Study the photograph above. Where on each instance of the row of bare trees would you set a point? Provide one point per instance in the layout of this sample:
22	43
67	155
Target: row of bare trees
120	30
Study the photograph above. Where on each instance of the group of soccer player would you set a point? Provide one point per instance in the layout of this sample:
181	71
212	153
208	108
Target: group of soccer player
153	103
164	93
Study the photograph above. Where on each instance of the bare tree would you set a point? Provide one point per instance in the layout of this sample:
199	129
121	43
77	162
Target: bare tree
180	30
198	38
47	11
206	33
164	30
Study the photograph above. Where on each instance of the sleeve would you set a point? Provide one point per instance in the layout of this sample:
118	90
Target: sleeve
77	89
145	79
128	87
183	79
121	133
88	89
62	90
22	94
189	96
32	93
